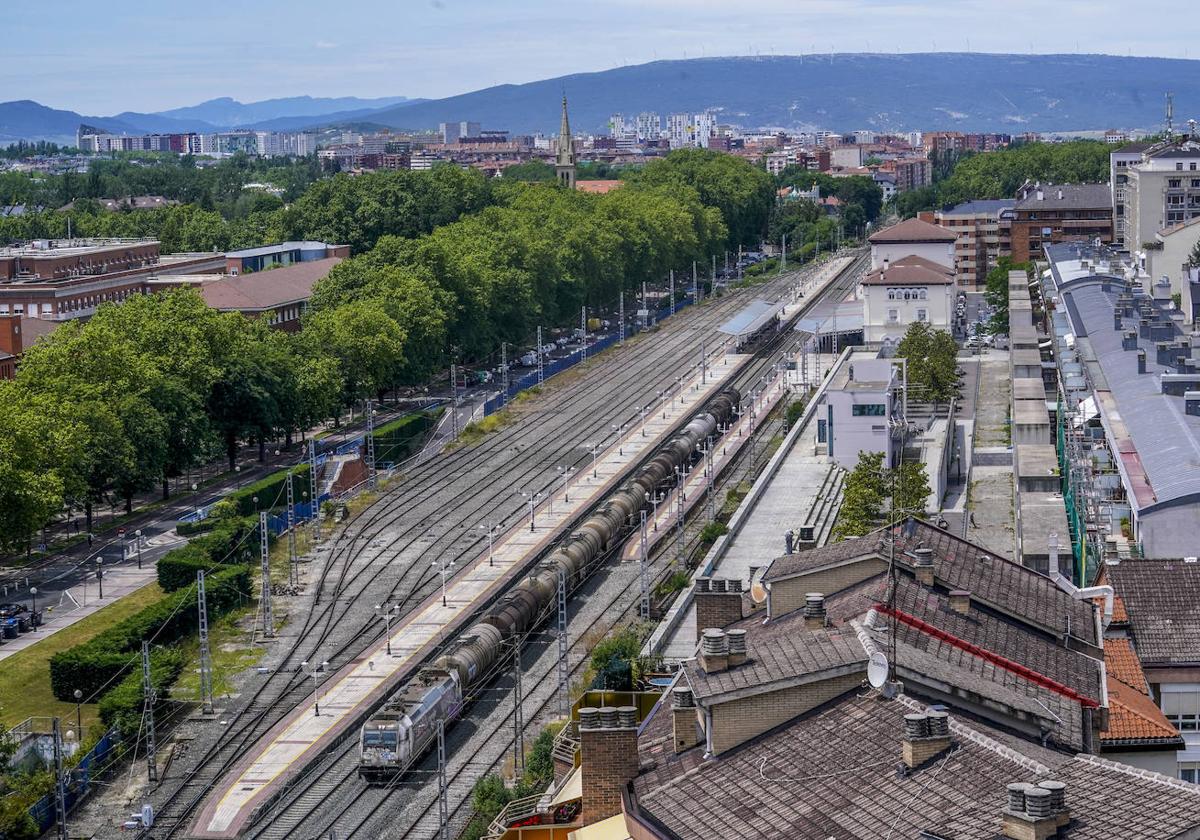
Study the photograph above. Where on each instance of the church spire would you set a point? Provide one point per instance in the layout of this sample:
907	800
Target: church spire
564	164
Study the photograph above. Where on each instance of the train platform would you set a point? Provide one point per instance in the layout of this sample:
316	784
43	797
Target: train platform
338	703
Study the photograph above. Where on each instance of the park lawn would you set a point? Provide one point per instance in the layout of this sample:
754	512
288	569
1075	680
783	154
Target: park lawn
25	676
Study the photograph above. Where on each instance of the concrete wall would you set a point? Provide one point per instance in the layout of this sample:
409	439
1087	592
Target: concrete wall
1176	248
1158	761
1171	532
848	434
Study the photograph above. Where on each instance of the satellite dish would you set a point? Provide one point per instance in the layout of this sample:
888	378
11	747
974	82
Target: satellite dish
877	670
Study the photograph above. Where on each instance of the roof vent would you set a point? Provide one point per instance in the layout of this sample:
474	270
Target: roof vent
682	698
737	646
733	584
814	610
627	716
924	565
703	584
589	718
1035	811
714	651
960	601
608	717
926	736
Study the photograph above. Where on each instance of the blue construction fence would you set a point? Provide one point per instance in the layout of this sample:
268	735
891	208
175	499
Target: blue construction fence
93	763
550	368
277	523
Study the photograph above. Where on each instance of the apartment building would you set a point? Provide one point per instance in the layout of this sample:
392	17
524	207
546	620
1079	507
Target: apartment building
1119	162
1046	214
984	232
905	291
1160	191
911	173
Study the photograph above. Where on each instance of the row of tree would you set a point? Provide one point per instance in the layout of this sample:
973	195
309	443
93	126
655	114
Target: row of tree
145	390
873	493
998	174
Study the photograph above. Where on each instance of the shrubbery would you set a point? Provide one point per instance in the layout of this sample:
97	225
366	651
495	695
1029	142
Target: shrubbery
229	542
122	706
271	491
93	666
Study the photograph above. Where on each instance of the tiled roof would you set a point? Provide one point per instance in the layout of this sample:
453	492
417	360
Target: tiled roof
1107	801
1121	662
1000	583
831	773
910	271
266	289
787	565
1074	197
778	660
1162	599
1134	720
912	230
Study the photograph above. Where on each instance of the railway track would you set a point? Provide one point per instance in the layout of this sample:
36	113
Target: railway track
309	810
401	529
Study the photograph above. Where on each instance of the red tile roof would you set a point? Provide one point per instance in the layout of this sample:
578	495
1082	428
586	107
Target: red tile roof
598	185
1133	717
910	271
1122	662
912	230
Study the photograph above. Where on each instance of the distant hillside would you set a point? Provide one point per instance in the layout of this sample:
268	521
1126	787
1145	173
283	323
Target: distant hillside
28	120
229	112
953	91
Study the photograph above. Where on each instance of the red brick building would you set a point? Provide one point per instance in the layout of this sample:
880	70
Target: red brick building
1049	213
17	334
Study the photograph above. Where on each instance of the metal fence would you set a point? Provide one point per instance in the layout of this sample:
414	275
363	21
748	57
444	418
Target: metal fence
556	366
79	780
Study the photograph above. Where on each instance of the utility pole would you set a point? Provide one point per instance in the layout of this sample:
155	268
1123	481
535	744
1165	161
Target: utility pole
148	714
454	398
443	805
312	490
518	714
679	514
504	371
564	670
583	334
206	691
541	370
703	363
60	782
621	317
293	572
695	284
783	260
672	291
265	552
645	580
371	444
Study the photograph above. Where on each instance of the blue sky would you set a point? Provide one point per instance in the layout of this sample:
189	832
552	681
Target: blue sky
99	58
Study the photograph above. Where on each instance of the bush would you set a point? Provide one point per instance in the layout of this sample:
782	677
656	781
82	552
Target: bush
230	542
397	440
188	529
122	706
93	666
710	532
271	491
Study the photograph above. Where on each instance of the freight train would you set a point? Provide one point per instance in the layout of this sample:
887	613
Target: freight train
400	732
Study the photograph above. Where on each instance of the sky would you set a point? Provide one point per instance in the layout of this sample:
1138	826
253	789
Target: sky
135	55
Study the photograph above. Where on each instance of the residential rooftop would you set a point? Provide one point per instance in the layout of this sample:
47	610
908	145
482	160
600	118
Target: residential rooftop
912	230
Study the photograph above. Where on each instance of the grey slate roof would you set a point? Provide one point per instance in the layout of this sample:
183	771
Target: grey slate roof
992	206
1162	600
776	660
1074	197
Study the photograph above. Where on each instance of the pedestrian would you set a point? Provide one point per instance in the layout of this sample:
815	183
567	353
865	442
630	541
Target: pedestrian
89	539
973	525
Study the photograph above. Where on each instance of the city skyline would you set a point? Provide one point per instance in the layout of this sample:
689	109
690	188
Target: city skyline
87	61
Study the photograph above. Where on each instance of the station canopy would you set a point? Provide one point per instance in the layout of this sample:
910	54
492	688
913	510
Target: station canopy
751	319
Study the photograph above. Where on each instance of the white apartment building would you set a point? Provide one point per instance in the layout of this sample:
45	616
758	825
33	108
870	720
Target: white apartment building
616	125
704	125
648	126
1160	191
1119	162
860	400
679	130
909	290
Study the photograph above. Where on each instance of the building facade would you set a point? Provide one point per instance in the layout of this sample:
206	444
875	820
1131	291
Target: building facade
984	230
1161	191
1046	214
913	237
910	290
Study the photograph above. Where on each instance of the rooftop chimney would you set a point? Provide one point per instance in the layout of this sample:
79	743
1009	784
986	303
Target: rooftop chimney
714	650
960	601
1060	195
1141	361
926	736
814	610
1035	811
737	646
925	565
609	759
684	718
718	602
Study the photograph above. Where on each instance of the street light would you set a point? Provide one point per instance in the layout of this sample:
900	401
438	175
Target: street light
33	618
441	562
255	500
491	529
100	575
653	497
138	535
565	473
238	472
532	499
386	615
595	451
317	669
78	712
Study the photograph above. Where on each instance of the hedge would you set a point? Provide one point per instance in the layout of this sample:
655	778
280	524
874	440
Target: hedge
122	706
93	666
398	439
229	543
271	491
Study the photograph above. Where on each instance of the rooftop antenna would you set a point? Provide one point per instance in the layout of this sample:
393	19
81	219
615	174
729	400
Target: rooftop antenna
1168	124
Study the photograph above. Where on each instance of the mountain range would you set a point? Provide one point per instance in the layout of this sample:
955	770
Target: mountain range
843	91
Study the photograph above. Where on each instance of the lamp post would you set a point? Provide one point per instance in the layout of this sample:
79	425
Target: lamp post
491	529
33	595
653	497
386	615
238	472
595	451
79	712
565	474
100	575
316	670
532	499
445	567
138	536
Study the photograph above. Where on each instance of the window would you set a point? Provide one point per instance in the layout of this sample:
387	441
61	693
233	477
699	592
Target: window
1174	183
1179	166
821	431
922	315
893	316
1192	166
1189	771
1184	722
869	410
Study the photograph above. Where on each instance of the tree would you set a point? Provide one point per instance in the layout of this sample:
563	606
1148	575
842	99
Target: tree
911	487
31	484
366	341
862	498
533	170
996	292
932	362
1194	256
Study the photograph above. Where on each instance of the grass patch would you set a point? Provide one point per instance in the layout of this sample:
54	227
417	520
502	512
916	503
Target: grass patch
25	688
232	649
477	430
